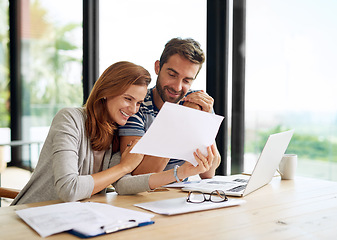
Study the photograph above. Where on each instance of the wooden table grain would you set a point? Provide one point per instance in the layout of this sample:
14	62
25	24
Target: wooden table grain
302	208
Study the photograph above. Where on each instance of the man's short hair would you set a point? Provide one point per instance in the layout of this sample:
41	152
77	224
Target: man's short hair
187	48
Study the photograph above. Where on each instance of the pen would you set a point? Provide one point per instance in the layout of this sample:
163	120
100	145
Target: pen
120	225
191	182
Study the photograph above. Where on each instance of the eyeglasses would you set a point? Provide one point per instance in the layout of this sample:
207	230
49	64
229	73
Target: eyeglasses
216	196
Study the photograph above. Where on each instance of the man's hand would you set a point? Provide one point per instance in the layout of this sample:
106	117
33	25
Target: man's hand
192	105
202	99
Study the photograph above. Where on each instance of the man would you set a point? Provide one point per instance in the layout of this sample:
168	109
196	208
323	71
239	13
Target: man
177	69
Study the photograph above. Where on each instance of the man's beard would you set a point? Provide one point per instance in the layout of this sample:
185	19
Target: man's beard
164	97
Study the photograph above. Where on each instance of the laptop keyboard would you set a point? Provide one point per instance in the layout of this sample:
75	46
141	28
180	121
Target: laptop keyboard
238	188
241	180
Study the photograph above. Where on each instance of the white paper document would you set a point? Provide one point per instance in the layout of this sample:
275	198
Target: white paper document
89	218
180	205
178	131
216	183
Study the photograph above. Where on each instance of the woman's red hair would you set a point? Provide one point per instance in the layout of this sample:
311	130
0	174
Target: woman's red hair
114	81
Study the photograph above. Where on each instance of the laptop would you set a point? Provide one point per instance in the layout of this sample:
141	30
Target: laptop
242	184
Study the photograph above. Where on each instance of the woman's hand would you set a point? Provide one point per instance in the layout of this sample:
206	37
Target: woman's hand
215	164
205	163
131	160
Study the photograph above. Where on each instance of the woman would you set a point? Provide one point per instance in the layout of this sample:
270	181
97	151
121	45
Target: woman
81	157
82	142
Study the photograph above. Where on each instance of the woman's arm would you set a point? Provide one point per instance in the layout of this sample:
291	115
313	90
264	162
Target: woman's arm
128	162
68	149
140	183
184	171
72	158
149	164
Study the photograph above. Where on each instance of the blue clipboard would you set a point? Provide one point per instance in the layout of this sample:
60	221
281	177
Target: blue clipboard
111	229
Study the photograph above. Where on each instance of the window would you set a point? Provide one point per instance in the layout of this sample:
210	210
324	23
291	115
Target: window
51	64
4	82
291	80
137	31
51	59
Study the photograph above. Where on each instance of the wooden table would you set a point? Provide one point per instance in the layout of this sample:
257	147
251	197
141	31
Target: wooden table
287	209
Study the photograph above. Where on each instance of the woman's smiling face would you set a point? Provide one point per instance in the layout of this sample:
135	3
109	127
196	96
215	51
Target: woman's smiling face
122	107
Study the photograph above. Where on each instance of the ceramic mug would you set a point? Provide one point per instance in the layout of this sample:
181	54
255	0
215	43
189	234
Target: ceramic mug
287	166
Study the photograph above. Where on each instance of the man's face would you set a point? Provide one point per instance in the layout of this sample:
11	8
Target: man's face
175	78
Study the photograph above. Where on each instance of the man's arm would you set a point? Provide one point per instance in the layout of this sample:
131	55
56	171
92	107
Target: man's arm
149	164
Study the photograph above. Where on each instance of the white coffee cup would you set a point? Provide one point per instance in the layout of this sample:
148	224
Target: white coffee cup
287	167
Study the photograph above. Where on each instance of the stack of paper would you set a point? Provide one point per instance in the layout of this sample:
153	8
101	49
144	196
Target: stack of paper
83	219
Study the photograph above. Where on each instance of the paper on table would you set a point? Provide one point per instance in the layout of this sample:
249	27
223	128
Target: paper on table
180	205
88	218
217	183
178	131
51	219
